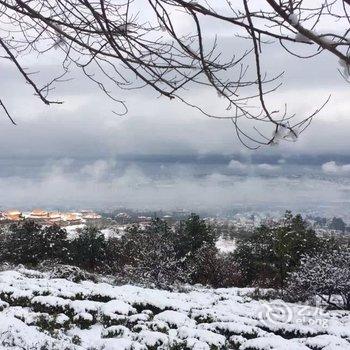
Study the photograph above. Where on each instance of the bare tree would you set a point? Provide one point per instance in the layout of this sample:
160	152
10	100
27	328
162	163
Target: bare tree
137	43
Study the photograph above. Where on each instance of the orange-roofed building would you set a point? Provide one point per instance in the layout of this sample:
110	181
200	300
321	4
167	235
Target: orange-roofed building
90	215
71	218
13	215
39	214
55	217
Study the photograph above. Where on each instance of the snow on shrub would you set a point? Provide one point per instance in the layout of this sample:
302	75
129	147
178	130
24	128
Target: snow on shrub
232	328
115	332
138	318
174	319
151	339
84	320
49	304
326	341
117	307
62	320
208	337
158	326
15	334
325	275
114	320
3	305
81	306
199	319
272	342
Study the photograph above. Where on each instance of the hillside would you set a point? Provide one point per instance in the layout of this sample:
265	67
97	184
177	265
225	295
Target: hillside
41	312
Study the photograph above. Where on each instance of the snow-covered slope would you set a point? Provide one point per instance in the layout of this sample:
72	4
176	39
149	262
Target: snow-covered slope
39	312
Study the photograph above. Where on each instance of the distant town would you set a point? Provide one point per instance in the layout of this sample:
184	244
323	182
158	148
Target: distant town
50	217
237	224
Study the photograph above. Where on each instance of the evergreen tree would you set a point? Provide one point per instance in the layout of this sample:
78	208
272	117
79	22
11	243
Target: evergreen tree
214	269
192	234
89	248
273	251
30	243
194	244
24	243
54	244
337	224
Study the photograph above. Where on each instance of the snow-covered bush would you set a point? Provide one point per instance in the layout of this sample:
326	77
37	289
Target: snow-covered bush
69	272
84	320
149	256
51	323
113	320
325	275
49	304
115	332
30	243
196	318
3	305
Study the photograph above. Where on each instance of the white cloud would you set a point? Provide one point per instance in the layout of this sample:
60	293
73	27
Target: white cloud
263	168
237	165
333	168
268	168
98	169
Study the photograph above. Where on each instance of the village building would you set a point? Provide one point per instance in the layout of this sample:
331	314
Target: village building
40	216
45	217
12	215
55	218
71	218
89	215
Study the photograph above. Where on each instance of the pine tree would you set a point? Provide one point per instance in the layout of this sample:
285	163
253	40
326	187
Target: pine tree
273	251
24	244
89	248
30	243
55	244
192	234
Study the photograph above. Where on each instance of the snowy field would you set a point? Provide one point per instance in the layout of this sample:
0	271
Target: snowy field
39	312
73	231
226	245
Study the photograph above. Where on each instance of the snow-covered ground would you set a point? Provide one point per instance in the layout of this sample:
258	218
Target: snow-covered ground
73	231
39	312
226	245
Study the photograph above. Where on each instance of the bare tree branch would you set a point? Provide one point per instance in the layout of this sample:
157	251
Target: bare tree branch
129	44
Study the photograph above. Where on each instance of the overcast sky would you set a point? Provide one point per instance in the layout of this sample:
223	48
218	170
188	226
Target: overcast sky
163	154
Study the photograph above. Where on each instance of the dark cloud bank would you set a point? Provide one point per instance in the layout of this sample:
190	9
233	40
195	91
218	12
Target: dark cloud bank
165	155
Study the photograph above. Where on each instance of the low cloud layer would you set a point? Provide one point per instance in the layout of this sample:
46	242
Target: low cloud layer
105	184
